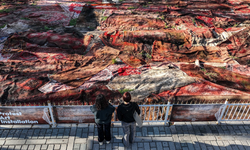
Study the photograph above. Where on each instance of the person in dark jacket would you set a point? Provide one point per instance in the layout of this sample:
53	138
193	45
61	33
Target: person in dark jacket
125	113
103	113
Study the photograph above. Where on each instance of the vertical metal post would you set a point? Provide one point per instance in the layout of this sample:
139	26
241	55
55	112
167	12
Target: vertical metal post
140	110
166	116
149	112
153	115
222	113
246	113
243	111
115	113
51	115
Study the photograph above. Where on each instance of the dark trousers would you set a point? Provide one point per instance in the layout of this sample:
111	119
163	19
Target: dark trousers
129	130
104	134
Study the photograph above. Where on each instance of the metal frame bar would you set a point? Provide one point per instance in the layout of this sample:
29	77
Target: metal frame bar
145	112
164	109
157	112
244	111
162	112
223	110
226	112
239	111
153	115
149	112
24	106
166	114
247	112
234	116
51	115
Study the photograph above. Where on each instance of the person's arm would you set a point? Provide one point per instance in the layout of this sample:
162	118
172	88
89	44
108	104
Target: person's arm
137	109
92	109
113	108
119	115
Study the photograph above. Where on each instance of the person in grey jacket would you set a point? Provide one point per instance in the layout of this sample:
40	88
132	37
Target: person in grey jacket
125	113
103	111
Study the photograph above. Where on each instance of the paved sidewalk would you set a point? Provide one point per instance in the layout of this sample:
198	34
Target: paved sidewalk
183	135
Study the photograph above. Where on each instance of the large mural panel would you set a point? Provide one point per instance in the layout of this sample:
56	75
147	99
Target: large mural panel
194	112
73	114
24	115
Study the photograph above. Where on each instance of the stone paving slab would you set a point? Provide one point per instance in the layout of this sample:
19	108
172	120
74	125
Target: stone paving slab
21	126
36	141
6	126
41	126
14	142
80	140
56	141
64	126
2	142
152	136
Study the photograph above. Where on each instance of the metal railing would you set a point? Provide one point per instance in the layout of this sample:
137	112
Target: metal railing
235	112
152	113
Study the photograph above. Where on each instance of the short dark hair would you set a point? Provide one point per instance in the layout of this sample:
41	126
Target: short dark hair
101	102
126	97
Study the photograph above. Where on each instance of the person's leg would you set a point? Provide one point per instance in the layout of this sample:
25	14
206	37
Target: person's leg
107	132
126	131
132	132
100	132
